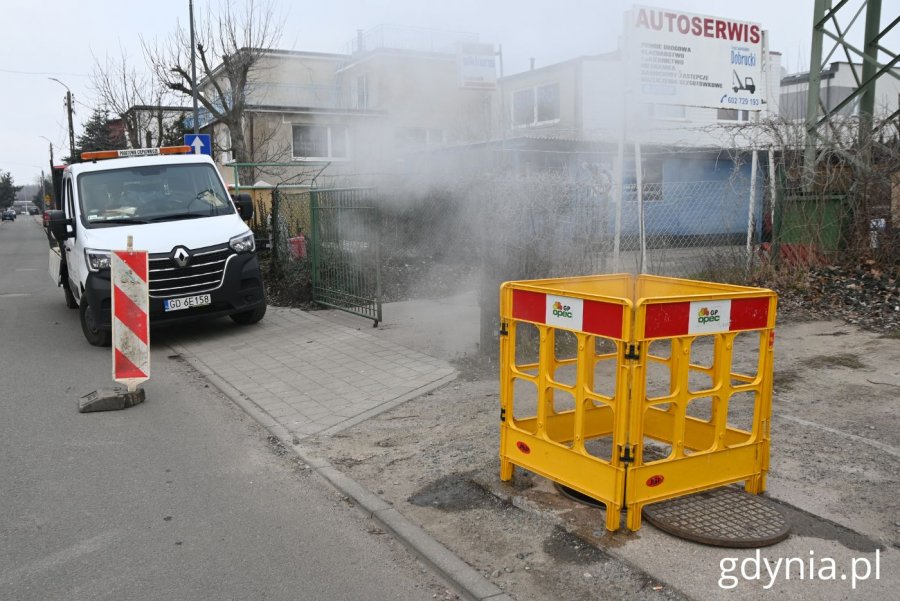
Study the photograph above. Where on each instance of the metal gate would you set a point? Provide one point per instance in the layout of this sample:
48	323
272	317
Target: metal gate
346	264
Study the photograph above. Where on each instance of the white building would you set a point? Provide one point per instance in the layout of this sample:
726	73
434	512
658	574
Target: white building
837	83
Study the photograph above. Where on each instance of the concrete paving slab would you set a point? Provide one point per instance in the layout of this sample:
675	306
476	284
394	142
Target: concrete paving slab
311	374
447	328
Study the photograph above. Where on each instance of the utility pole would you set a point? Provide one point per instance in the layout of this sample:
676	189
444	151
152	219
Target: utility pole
812	92
71	127
43	191
50	204
51	149
194	68
869	72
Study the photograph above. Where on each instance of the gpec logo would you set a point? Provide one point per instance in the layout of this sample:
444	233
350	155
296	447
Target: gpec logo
704	315
561	310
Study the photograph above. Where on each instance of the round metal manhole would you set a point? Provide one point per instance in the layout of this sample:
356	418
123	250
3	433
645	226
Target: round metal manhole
723	517
578	496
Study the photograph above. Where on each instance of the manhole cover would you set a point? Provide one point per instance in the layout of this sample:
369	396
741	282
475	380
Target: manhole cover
578	496
724	517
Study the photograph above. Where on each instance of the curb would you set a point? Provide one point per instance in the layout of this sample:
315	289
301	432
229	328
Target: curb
461	576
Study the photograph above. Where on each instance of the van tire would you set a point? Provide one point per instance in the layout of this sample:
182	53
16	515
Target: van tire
94	335
250	317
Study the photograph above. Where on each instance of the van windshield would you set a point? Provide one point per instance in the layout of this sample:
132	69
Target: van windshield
146	194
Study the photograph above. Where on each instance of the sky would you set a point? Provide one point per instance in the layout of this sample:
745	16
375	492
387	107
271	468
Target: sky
55	38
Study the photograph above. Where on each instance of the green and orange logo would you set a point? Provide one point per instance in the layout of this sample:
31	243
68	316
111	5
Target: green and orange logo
705	315
561	310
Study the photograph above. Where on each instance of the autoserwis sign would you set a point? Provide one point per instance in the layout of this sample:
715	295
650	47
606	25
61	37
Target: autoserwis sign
695	60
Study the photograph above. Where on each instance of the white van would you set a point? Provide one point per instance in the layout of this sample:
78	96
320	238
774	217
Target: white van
175	206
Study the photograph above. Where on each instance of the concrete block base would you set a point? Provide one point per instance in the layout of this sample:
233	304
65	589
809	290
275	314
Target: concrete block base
110	399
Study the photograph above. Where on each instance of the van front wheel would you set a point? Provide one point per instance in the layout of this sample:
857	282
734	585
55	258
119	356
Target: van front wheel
94	335
250	317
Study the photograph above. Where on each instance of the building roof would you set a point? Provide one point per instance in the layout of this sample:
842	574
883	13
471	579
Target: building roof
614	55
827	73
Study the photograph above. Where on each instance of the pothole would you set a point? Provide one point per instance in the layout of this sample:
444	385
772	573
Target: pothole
565	547
454	492
847	360
806	524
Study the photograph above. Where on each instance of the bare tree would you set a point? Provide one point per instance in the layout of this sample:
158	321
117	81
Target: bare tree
231	45
121	87
848	187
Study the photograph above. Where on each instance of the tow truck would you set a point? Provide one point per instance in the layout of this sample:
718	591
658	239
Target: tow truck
746	84
174	205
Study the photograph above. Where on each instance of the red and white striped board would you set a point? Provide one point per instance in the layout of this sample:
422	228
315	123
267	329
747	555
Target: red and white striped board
666	320
131	317
569	313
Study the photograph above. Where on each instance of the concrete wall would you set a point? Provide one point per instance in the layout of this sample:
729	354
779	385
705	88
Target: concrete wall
418	91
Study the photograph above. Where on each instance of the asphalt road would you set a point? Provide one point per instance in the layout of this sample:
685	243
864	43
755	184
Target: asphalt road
179	498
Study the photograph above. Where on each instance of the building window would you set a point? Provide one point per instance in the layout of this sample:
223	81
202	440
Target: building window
535	106
548	103
732	115
319	142
362	92
651	179
419	137
523	108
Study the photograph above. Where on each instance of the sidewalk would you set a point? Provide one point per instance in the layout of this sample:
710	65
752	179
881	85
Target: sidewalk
423	468
299	374
310	375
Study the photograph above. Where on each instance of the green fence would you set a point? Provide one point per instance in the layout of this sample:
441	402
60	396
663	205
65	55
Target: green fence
344	250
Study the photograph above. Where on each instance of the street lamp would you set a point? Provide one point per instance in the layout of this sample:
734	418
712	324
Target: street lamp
69	110
51	149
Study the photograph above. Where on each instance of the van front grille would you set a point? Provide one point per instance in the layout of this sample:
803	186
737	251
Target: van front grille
203	273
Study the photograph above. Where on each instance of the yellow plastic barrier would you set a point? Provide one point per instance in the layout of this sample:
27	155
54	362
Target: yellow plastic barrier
616	406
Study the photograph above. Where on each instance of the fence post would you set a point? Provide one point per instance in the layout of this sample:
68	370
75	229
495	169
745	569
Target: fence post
276	249
377	226
314	240
752	208
639	180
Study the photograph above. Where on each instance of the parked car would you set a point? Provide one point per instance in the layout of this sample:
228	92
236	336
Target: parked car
9	215
34	211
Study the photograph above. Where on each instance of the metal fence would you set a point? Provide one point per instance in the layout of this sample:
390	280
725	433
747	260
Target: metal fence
540	227
437	239
346	266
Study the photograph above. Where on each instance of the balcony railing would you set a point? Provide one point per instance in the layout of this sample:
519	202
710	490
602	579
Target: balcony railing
413	39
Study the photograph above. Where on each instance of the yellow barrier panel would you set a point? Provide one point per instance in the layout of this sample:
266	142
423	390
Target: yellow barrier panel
587	412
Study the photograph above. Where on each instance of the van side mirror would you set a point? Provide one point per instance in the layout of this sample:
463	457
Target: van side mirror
58	224
244	205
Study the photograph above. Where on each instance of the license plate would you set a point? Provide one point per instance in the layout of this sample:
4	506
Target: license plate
175	304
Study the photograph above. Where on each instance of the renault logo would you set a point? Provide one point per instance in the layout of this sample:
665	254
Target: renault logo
181	256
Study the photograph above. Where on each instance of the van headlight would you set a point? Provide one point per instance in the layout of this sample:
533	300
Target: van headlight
243	243
97	260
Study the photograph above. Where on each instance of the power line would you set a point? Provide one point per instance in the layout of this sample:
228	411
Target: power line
44	73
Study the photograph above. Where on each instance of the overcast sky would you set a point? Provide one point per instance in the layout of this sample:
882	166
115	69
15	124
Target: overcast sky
57	38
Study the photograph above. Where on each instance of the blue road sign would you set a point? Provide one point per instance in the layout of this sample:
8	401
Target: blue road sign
200	143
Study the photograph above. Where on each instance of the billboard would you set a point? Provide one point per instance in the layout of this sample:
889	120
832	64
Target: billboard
476	65
694	60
